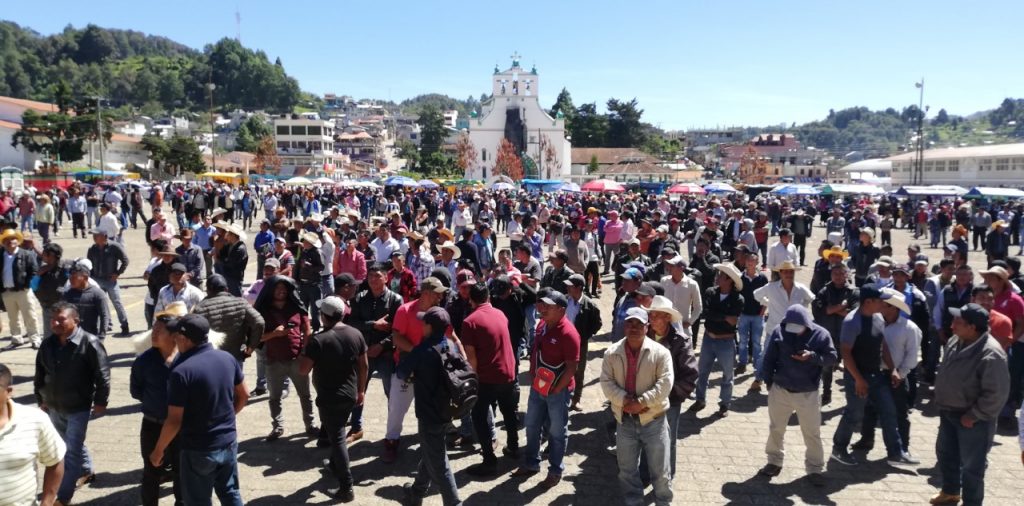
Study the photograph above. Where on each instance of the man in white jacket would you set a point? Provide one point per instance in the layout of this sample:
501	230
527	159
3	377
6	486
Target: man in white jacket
636	377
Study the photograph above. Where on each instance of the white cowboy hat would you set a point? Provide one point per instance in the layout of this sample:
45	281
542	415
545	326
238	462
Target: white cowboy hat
456	252
733	273
896	299
786	265
661	304
311	238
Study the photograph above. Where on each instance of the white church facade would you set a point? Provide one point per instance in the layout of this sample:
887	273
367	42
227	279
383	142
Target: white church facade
514	112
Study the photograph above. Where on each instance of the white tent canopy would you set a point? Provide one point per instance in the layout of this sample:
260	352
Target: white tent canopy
932	190
856	189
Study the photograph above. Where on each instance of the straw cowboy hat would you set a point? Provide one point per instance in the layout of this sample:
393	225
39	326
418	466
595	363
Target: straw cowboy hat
9	233
835	250
787	265
456	252
447	234
311	238
896	299
661	304
733	273
999	224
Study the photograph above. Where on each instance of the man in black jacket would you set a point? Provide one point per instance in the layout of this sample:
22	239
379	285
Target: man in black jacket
372	313
586	316
72	377
93	315
109	261
18	266
233	258
557	273
830	307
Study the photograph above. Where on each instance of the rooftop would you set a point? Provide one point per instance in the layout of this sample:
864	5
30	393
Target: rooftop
29	104
609	156
992	150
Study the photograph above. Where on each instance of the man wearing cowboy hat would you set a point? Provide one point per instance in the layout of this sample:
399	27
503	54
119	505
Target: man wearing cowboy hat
998	241
450	254
797	353
723	305
831	305
823	265
233	258
902	341
778	297
18	266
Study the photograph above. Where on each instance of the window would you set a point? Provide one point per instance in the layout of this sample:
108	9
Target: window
283	145
953	165
985	164
483	154
792	160
298	130
282	130
1002	164
1018	164
940	166
313	130
929	166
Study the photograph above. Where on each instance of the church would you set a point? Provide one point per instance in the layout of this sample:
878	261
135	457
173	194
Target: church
514	112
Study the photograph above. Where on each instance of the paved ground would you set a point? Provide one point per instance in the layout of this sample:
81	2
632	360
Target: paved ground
718	458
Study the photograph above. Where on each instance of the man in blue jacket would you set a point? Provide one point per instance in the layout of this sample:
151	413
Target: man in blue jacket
797	352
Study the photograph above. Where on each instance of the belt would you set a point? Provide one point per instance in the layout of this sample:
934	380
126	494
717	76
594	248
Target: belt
152	419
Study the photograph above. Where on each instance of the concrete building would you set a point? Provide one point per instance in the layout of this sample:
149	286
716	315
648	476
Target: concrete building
579	171
305	144
513	112
1000	165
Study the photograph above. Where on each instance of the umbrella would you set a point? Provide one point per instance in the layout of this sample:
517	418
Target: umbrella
686	188
400	181
569	187
719	188
298	181
501	185
324	180
795	189
426	183
603	185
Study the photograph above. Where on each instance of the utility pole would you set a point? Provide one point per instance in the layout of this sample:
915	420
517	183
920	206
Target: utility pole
919	165
213	132
99	130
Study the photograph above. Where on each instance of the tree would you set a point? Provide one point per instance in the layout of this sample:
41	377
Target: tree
589	128
251	134
267	160
408	152
432	130
184	155
941	118
508	163
593	166
157	147
465	153
61	135
624	127
563	105
95	45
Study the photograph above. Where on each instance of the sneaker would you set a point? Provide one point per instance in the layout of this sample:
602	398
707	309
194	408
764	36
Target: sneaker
484	468
342	494
412	498
770	470
353	435
944	498
390	451
550	481
864	444
285	393
522	472
843	457
463	442
275	434
258	391
755	386
124	331
85	479
903	459
722	412
816	479
697	406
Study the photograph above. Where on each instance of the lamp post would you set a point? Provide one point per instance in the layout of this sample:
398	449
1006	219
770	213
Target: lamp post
919	168
213	133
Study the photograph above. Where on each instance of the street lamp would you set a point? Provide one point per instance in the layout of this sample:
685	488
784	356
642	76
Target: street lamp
919	169
213	132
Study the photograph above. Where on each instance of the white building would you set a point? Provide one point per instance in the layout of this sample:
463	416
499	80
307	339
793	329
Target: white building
451	118
513	112
1000	165
305	144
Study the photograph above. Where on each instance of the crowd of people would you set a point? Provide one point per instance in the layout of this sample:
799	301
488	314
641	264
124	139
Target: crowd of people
419	289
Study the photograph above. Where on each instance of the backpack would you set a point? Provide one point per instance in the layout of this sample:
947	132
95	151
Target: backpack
459	381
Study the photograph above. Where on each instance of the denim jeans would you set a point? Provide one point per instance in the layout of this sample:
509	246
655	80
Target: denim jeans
901	403
531	329
205	472
384	365
550	413
334	418
632	439
724	350
310	293
961	454
77	461
1016	364
751	328
433	466
114	293
880	395
672	419
277	375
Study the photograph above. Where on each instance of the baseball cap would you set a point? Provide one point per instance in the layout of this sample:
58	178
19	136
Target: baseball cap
973	314
904	268
432	284
331	306
465	277
272	262
742	247
921	259
193	326
553	298
436	317
178	268
632	273
344	279
637	313
869	292
576	280
646	289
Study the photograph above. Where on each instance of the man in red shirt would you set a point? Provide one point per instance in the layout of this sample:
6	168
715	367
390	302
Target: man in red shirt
1011	305
556	352
407	332
485	336
999	325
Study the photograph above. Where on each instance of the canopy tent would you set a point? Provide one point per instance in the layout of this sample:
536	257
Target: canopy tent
10	169
543	185
569	187
602	185
219	175
930	191
426	183
686	188
719	188
349	183
298	181
851	189
324	180
989	192
401	181
501	185
796	189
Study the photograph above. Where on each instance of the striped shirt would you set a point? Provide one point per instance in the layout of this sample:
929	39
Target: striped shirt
29	437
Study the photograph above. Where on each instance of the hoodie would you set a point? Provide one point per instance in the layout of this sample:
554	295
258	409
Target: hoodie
779	366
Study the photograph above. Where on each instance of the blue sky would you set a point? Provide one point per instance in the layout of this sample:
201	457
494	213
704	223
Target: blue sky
689	63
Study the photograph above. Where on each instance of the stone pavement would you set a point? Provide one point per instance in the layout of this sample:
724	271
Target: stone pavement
718	458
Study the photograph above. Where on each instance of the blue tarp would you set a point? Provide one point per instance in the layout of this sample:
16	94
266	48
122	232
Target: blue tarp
543	185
